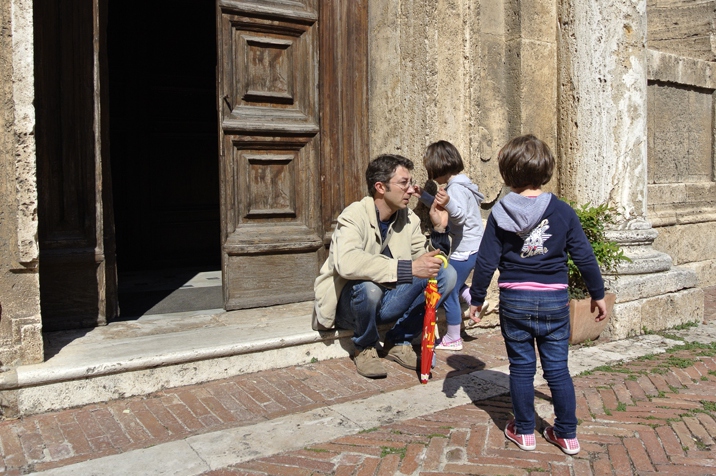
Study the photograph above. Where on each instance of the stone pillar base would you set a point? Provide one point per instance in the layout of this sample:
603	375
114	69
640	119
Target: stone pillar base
652	295
655	302
631	287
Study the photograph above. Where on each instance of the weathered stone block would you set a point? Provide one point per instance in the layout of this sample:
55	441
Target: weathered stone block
680	27
687	243
639	286
534	20
667	194
656	313
701	192
538	96
32	348
705	272
671	68
673	309
8	404
625	321
680	134
492	18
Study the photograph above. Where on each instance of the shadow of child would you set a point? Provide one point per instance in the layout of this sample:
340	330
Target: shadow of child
488	390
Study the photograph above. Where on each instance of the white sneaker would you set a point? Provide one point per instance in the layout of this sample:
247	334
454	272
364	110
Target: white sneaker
452	345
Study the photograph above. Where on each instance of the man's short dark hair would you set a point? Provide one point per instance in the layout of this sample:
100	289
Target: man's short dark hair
442	158
526	161
382	169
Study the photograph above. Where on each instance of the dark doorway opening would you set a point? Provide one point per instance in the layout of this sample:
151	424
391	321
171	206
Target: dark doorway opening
164	152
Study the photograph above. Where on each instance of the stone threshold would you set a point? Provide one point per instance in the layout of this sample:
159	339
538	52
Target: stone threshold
154	352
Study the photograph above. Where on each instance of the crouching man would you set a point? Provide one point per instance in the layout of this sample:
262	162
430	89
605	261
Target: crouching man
378	266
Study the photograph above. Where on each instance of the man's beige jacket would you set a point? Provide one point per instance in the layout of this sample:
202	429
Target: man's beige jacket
355	254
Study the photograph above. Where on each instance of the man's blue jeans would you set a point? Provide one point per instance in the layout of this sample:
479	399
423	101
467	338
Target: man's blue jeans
364	305
527	317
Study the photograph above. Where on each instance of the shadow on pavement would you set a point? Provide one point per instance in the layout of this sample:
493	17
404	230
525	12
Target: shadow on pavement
489	392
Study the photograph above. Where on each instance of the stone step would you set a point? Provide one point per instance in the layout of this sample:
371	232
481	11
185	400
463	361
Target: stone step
153	352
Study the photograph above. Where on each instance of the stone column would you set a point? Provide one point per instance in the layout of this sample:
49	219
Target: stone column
420	60
20	320
602	155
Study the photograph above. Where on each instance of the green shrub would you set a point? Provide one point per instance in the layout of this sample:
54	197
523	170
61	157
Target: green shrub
594	220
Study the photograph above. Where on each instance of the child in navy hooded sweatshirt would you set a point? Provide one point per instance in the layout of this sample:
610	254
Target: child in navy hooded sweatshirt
528	236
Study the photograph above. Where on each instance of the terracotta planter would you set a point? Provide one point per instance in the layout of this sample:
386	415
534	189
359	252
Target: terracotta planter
581	319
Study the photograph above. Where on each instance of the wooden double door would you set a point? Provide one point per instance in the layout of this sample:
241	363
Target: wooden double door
283	151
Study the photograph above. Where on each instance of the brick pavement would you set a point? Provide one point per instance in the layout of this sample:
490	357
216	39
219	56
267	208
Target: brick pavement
654	415
55	439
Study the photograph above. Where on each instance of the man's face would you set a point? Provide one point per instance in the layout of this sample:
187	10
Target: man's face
399	189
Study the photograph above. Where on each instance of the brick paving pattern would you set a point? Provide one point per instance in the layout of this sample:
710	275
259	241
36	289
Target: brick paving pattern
656	415
40	442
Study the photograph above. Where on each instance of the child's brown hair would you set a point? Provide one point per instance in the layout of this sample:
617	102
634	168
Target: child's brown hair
526	161
442	158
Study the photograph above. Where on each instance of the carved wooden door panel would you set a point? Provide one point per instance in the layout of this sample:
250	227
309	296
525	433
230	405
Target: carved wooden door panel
269	171
293	130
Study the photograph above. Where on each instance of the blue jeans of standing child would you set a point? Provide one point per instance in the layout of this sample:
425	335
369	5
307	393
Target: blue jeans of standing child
364	305
541	317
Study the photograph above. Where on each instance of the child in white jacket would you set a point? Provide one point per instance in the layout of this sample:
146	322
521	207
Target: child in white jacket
461	198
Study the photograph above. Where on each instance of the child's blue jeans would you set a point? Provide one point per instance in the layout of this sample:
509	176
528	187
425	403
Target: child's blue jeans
451	303
541	317
364	305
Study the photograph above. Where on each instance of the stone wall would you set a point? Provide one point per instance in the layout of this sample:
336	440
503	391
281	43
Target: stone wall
573	72
681	188
682	192
682	27
20	323
473	73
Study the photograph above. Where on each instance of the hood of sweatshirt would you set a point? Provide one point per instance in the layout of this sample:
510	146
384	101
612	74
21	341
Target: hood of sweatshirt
518	213
461	180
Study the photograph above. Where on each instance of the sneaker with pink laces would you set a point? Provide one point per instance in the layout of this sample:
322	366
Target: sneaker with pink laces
451	345
525	442
569	446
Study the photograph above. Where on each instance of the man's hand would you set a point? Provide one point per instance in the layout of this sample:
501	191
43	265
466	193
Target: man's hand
439	217
602	306
428	265
442	198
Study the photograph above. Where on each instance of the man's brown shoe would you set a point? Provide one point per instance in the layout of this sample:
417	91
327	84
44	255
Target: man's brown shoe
368	364
404	355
